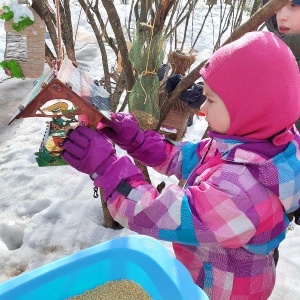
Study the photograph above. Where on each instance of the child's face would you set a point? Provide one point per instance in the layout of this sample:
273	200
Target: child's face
216	113
288	19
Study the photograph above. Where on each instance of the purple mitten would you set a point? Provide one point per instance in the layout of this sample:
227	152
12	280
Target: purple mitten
123	130
148	146
88	151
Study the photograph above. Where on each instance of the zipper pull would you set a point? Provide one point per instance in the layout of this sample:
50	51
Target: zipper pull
96	194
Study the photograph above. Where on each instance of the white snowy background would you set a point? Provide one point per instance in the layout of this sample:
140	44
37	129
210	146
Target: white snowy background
47	213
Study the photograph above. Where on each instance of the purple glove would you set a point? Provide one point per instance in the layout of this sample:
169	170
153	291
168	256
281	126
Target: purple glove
148	146
88	151
124	130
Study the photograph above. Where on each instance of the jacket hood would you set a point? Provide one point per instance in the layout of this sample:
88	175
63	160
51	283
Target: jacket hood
276	167
234	73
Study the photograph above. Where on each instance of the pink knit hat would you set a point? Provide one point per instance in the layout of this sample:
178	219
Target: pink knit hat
258	79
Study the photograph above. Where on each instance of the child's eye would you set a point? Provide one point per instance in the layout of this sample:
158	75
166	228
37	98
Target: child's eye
209	100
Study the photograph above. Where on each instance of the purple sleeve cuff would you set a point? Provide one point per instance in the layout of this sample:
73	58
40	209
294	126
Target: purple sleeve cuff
120	170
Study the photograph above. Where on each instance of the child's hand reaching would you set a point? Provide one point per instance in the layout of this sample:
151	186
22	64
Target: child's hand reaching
123	130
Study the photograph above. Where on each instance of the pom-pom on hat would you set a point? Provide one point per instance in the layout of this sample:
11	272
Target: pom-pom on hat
257	78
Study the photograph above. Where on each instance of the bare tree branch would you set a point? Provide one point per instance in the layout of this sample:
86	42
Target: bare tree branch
98	35
44	10
66	29
117	28
108	39
200	31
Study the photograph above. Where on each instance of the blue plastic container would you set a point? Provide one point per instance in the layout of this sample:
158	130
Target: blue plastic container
141	259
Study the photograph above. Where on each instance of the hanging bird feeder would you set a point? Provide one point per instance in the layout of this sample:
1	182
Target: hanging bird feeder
63	95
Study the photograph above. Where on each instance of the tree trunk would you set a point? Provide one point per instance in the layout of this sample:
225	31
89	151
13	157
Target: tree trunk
109	222
144	170
66	29
120	88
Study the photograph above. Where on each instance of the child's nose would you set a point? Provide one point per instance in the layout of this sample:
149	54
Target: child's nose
203	108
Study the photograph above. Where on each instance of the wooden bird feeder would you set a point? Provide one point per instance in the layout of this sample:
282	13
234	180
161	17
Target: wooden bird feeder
63	95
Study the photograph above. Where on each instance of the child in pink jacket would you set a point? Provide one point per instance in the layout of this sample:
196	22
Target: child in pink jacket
228	219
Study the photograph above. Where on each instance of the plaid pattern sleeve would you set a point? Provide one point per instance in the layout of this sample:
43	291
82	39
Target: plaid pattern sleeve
213	213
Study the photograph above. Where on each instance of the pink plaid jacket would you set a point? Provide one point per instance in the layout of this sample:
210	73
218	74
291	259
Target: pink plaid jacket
227	220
